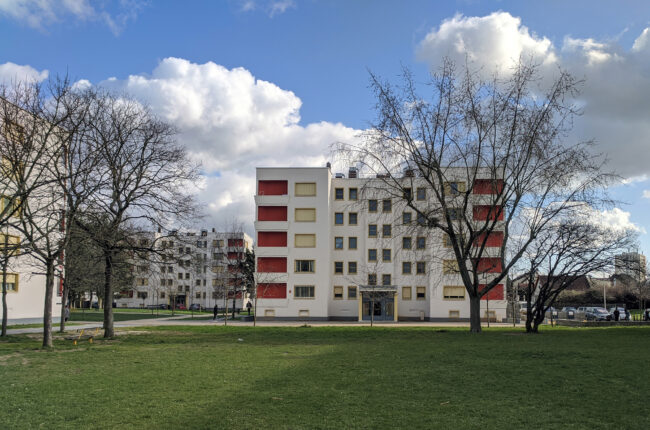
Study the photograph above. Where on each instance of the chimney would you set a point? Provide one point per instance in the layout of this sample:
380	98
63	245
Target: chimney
352	172
212	229
328	165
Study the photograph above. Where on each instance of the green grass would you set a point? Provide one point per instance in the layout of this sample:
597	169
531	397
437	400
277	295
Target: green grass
343	377
36	325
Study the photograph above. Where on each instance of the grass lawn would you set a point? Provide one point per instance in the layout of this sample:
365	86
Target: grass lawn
338	378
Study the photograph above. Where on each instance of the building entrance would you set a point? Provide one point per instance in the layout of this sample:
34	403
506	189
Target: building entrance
379	307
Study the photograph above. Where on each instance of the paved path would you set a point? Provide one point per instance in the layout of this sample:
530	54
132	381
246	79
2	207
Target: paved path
185	320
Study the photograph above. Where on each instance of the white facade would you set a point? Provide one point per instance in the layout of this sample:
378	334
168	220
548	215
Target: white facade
190	268
353	242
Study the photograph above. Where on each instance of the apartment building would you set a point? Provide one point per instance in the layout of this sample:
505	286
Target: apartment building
25	277
199	267
331	247
631	264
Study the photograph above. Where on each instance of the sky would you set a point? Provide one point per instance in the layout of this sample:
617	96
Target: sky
277	82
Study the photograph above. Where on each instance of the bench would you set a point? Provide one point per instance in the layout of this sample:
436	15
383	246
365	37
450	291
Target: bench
84	333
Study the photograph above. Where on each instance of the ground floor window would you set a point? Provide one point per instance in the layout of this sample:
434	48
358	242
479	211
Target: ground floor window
421	293
303	291
406	293
338	293
352	293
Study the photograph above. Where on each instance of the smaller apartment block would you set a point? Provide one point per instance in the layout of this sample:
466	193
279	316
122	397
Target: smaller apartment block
200	268
336	248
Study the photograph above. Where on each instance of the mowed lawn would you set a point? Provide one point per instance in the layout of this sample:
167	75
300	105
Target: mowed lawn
338	378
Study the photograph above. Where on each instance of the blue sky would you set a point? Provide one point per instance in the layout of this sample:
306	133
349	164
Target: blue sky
273	82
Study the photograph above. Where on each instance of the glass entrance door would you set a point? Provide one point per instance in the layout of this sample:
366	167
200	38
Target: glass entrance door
383	308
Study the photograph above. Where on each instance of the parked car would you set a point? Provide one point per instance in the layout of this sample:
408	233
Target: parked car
160	306
568	312
195	307
597	314
551	312
180	307
624	314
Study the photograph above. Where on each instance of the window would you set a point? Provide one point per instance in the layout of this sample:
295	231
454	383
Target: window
198	295
305	215
454	214
13	244
338	267
180	288
386	230
11	205
372	230
421	194
352	218
187	288
450	267
352	267
420	268
385	255
386	205
305	189
352	293
446	240
305	240
187	276
338	243
421	293
406	293
386	279
142	294
372	255
180	276
454	315
352	242
338	194
338	218
421	242
408	194
454	188
372	205
304	266
353	194
162	294
198	282
406	267
453	293
303	292
406	243
269	313
338	293
12	282
407	217
372	279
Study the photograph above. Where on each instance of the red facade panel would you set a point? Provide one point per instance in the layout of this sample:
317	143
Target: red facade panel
235	256
271	291
487	186
495	293
235	242
272	213
272	238
489	265
272	264
272	188
494	239
482	213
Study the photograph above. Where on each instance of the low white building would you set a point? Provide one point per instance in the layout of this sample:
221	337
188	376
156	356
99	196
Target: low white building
336	248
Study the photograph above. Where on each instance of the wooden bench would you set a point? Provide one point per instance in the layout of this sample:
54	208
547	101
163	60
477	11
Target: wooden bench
84	333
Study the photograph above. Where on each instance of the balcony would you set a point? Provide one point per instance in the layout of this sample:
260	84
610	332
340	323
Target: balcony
271	251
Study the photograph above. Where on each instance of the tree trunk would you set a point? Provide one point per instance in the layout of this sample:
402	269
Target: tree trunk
64	303
234	305
47	312
474	314
108	297
255	311
4	293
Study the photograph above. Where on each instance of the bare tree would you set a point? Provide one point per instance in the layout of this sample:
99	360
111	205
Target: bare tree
144	179
481	152
562	253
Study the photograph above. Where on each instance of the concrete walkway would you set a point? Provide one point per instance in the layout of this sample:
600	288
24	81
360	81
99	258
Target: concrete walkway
185	320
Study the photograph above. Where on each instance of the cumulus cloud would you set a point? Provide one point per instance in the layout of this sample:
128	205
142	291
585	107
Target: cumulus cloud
616	219
11	73
232	122
40	13
614	97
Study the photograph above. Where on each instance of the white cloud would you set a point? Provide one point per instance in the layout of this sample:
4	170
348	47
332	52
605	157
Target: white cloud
280	6
614	97
40	13
11	73
232	123
271	7
616	219
646	194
